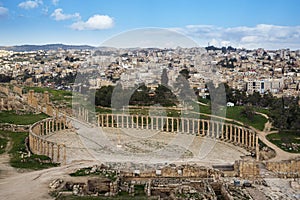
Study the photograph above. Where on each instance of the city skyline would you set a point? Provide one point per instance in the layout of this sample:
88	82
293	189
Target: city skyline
242	24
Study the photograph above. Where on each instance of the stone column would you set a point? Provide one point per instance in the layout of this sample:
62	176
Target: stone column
188	125
218	130
57	124
172	124
101	120
243	136
2	103
257	147
250	139
131	117
236	132
50	126
157	123
198	127
167	124
48	149
231	133
253	139
203	127
152	122
137	121
178	125
227	132
42	147
107	121
65	154
246	138
117	117
193	128
213	131
34	145
30	97
46	97
147	122
222	130
208	128
53	125
58	152
87	115
52	151
47	125
60	124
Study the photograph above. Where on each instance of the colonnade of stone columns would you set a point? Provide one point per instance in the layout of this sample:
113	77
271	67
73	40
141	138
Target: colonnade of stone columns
83	114
39	145
227	132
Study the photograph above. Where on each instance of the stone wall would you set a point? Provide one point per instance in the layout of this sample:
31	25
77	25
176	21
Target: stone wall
247	169
14	127
285	169
4	89
192	171
18	90
39	144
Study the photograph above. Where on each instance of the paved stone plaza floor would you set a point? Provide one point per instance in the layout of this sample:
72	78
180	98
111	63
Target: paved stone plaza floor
145	146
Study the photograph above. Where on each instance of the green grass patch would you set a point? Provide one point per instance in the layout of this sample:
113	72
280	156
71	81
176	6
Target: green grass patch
286	140
257	122
202	100
55	95
262	110
102	110
21	119
19	156
3	143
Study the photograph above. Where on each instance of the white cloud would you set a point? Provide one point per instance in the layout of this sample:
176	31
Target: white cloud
58	15
45	11
96	22
55	2
3	11
30	4
262	35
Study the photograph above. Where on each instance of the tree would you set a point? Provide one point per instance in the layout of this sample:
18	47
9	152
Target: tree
185	73
141	96
248	112
254	99
164	96
103	96
4	78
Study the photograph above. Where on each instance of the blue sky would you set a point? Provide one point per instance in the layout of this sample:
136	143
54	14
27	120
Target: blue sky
241	23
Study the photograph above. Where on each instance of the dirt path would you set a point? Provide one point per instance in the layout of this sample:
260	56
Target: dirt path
280	154
35	185
5	169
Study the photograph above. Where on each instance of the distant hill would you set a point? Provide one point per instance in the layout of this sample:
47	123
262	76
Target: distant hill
46	47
